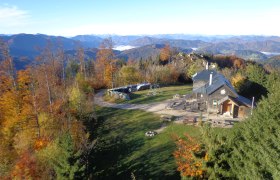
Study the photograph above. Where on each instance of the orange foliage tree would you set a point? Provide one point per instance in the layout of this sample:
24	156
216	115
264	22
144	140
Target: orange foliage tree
190	157
25	167
165	53
36	108
105	64
229	61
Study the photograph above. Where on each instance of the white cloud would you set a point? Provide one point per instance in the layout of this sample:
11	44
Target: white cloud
12	16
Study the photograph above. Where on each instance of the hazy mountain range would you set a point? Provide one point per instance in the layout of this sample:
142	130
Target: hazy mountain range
24	47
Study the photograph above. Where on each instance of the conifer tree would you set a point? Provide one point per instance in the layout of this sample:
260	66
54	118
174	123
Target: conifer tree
251	149
64	159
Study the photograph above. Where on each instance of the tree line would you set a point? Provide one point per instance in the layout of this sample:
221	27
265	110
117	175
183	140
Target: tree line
46	118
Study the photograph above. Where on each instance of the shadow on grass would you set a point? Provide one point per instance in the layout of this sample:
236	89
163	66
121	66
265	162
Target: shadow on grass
155	162
108	158
122	147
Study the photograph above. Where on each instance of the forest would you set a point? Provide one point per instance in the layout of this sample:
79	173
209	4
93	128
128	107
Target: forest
48	118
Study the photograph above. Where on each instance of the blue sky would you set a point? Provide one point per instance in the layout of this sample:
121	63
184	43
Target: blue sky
128	17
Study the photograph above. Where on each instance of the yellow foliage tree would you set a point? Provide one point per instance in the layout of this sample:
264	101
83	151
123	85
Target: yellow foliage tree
238	81
189	164
129	75
105	63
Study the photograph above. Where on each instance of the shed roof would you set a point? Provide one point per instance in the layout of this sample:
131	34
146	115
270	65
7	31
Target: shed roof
240	100
244	101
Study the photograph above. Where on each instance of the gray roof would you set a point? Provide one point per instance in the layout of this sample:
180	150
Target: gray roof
244	100
203	75
218	80
240	100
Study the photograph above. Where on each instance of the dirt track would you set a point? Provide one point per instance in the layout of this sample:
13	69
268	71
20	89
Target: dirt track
158	107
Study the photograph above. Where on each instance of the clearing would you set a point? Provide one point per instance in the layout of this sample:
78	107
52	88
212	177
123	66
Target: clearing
123	148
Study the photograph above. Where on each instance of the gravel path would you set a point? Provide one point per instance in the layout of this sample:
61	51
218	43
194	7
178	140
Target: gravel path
158	107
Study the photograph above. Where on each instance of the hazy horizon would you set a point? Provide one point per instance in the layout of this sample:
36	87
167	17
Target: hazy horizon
183	34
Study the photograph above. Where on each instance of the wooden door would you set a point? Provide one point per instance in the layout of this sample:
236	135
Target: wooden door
226	106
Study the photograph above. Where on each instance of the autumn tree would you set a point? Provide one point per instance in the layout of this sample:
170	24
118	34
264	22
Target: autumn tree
227	72
82	63
240	82
7	64
105	66
37	106
165	54
194	67
9	110
238	63
190	156
129	75
228	61
26	167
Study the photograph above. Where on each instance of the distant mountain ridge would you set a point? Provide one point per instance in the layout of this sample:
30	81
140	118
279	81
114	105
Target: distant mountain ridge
151	51
88	40
29	46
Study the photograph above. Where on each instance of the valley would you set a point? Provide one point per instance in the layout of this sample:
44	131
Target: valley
25	47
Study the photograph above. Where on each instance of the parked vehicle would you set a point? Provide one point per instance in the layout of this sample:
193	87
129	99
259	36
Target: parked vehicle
143	86
132	88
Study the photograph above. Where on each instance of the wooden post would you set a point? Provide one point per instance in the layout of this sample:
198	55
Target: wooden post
252	107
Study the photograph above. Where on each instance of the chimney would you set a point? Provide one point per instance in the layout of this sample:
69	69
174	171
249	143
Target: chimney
210	80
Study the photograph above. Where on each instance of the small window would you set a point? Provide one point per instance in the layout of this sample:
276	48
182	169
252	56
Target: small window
215	103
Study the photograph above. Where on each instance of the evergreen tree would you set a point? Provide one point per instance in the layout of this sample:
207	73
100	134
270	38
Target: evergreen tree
271	79
252	149
256	74
65	160
257	81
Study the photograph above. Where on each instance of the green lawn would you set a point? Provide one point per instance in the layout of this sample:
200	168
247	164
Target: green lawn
122	146
163	93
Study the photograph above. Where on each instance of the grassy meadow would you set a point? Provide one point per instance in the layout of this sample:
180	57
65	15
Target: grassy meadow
122	147
144	97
